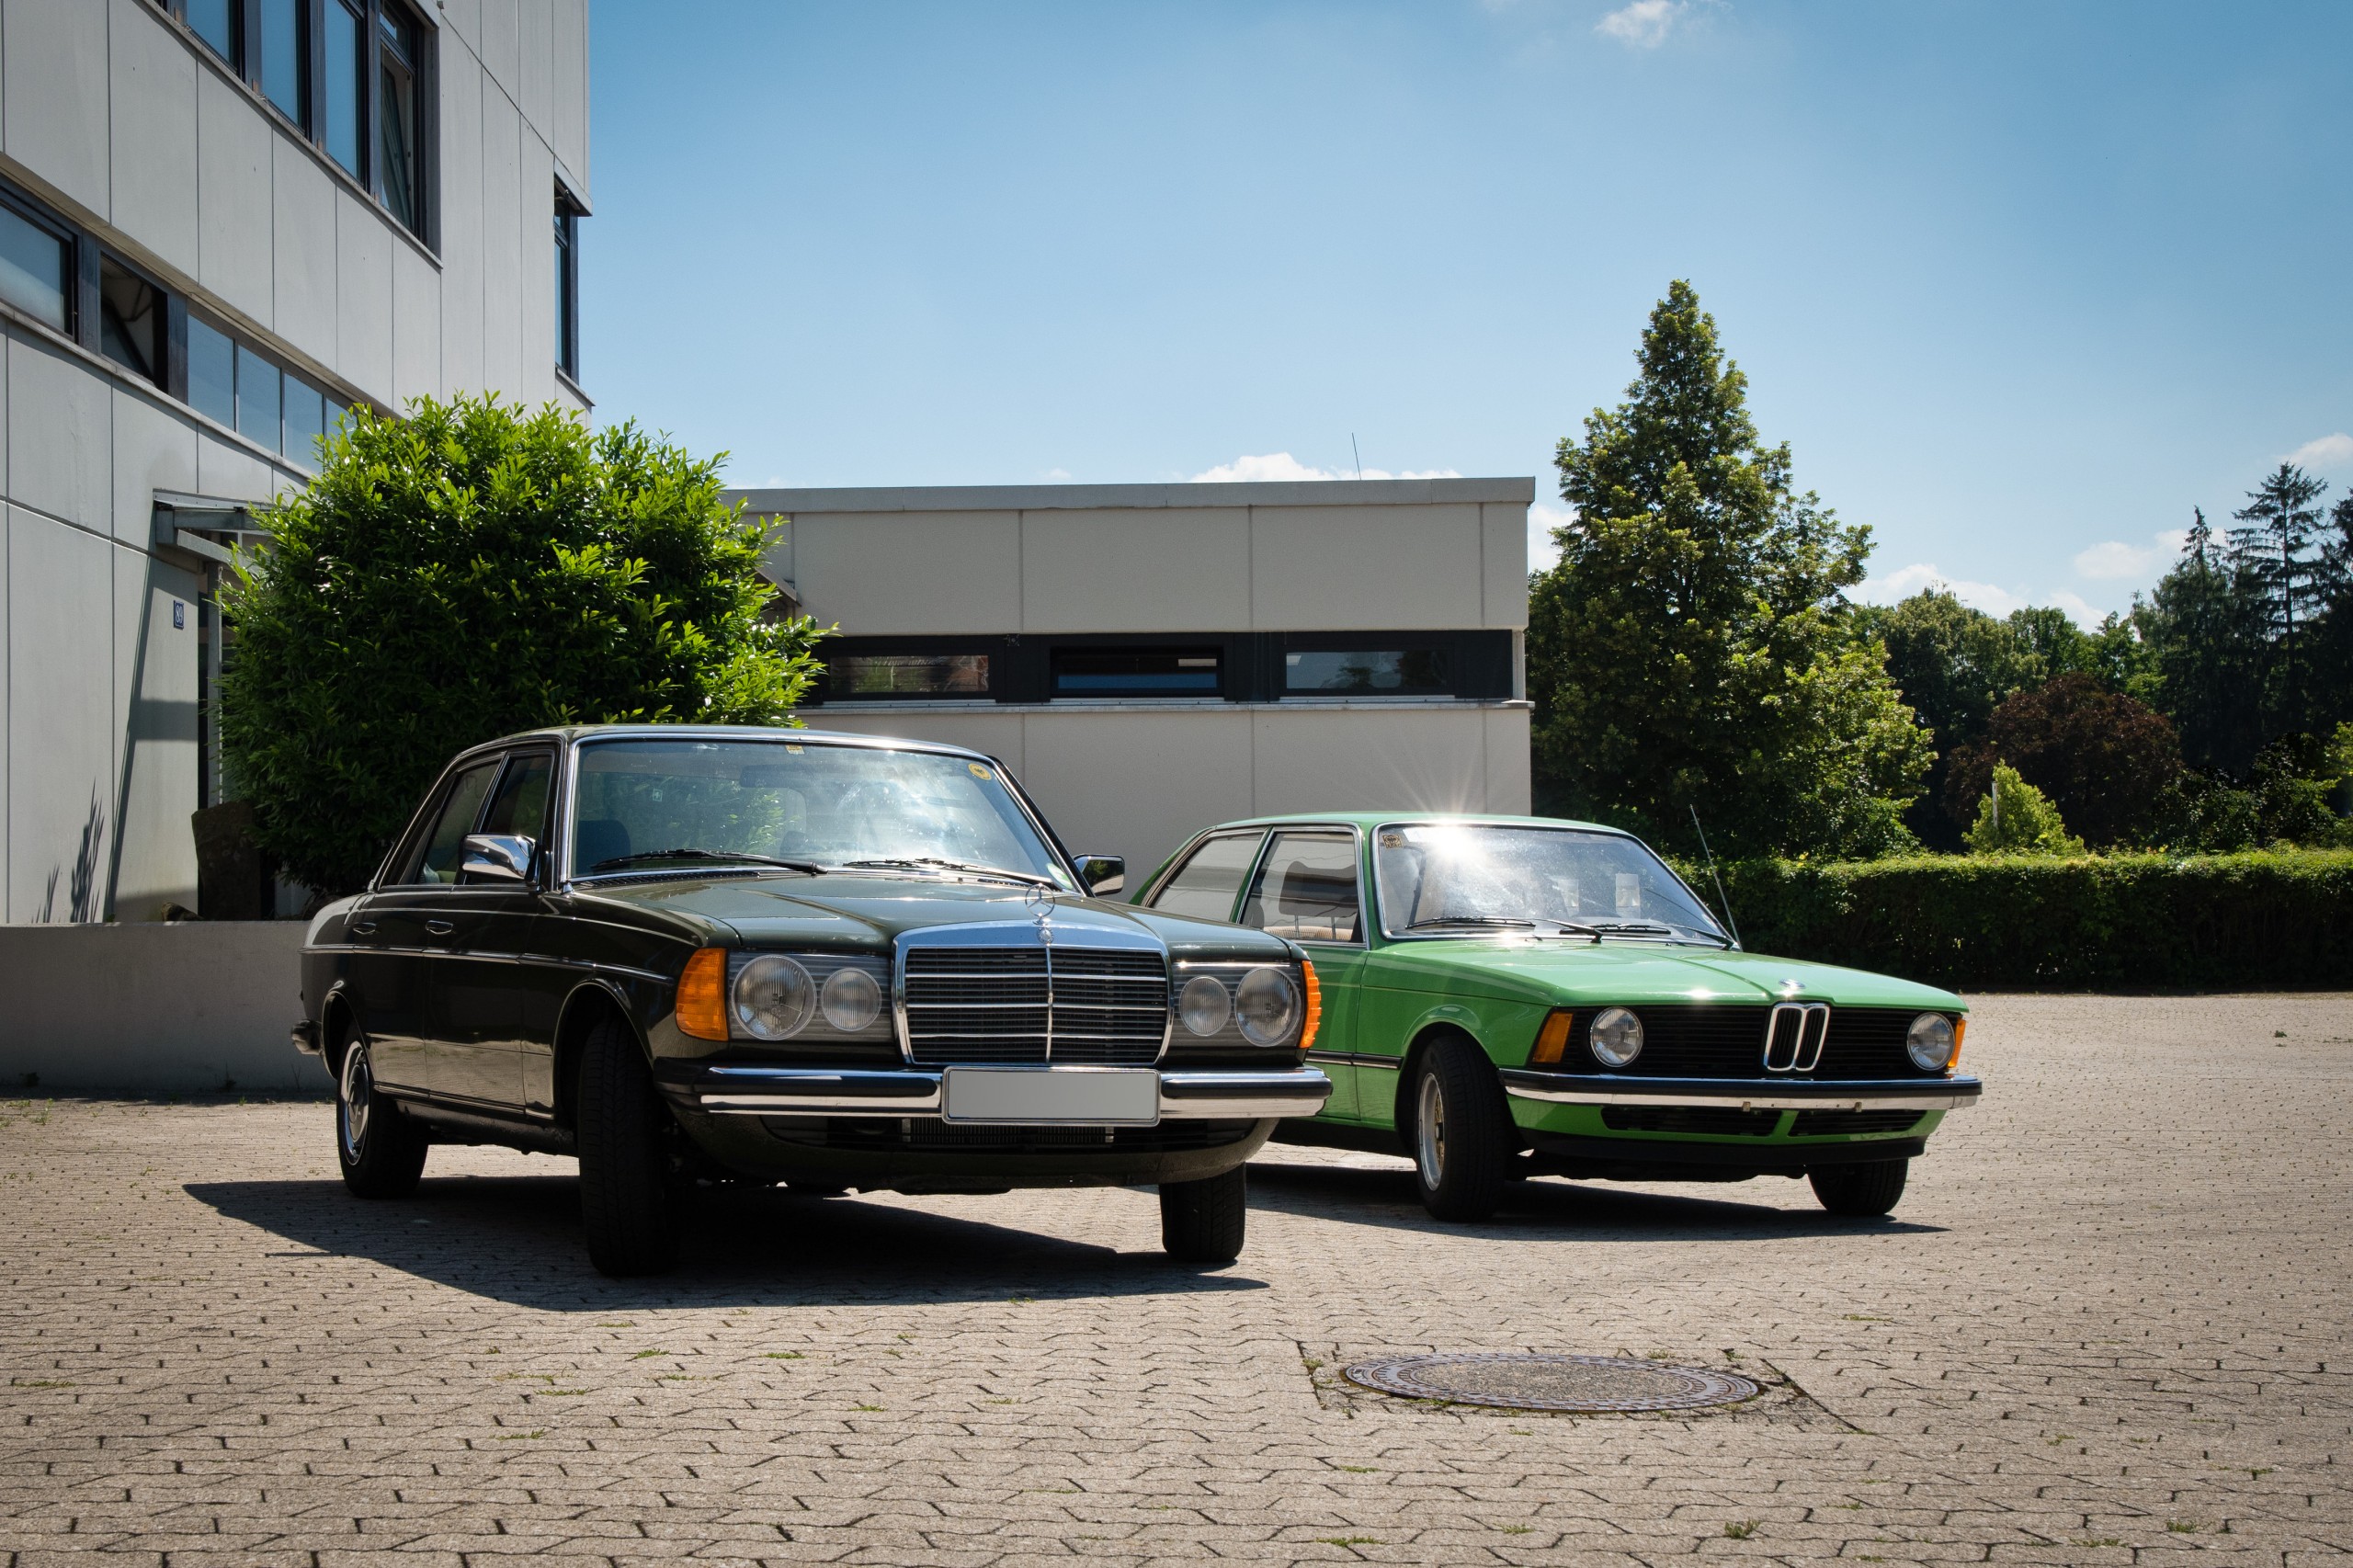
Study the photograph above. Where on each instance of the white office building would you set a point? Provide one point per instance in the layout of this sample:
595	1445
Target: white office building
221	223
1150	659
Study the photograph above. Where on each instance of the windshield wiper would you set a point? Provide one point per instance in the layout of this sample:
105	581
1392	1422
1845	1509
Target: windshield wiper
1659	928
810	867
1469	920
1025	878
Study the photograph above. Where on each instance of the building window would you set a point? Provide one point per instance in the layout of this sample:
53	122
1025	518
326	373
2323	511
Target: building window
36	269
344	91
211	373
397	117
133	325
857	675
1136	672
1366	672
216	23
286	57
567	287
353	76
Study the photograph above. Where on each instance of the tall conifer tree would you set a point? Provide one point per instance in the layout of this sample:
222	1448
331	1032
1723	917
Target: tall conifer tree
1694	647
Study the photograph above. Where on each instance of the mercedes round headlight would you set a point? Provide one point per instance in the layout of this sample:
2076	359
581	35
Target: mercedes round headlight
1929	1041
1268	1006
772	997
1203	1005
1617	1037
851	999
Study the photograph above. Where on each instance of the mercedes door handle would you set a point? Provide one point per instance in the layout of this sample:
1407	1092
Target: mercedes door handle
438	927
363	929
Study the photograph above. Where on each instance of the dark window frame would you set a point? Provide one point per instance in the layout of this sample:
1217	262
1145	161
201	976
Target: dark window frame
81	282
568	213
1479	664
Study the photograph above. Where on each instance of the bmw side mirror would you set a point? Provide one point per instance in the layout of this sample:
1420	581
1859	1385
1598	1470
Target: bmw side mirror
1103	874
497	856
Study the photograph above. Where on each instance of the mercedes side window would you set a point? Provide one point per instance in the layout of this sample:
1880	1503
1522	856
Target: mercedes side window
1306	889
439	853
1205	886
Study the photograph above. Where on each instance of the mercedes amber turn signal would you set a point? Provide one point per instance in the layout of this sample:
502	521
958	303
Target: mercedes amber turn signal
1552	1039
1315	1004
702	995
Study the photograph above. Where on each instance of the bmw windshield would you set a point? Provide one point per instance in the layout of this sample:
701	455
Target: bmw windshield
658	804
1470	879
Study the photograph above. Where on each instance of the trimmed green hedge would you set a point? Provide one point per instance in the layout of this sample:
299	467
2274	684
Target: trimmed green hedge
2277	918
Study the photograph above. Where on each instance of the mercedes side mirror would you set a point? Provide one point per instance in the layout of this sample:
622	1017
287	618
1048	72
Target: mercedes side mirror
1103	874
498	857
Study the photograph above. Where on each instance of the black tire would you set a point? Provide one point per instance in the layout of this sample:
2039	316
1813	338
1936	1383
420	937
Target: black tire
380	1147
1863	1191
1205	1221
630	1191
1463	1142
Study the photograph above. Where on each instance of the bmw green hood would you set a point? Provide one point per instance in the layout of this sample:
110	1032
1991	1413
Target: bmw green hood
1554	972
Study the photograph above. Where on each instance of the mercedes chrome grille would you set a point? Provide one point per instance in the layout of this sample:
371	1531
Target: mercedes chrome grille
1034	1003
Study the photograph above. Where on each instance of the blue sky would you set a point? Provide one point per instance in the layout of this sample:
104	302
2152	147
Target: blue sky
2021	283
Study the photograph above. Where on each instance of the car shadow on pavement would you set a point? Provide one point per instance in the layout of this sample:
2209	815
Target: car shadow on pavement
517	1239
1591	1211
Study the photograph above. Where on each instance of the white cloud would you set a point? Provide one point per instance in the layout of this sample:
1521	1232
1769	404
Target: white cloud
2329	452
1282	466
1542	553
2112	561
1055	475
1906	580
1644	24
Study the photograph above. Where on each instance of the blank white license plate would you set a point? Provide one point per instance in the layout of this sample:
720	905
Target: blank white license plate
1053	1097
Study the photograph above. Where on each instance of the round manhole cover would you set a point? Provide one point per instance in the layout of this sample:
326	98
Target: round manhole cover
1551	1382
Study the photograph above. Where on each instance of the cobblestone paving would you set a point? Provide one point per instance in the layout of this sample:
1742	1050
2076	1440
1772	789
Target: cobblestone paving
2109	1324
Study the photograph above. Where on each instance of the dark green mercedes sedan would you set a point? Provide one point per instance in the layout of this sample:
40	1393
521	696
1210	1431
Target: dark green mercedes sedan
688	955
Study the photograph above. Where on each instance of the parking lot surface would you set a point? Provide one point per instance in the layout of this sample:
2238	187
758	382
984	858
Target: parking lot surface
2109	1324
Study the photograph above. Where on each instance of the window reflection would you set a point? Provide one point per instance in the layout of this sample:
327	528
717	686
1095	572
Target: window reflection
1362	671
33	268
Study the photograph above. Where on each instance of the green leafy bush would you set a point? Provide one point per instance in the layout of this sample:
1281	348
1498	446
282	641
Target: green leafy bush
2016	818
2269	918
471	571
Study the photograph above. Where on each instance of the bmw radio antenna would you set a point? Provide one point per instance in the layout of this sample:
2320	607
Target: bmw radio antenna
1722	901
1356	454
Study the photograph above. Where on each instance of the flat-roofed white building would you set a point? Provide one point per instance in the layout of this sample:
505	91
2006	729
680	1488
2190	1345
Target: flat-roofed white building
1154	658
221	223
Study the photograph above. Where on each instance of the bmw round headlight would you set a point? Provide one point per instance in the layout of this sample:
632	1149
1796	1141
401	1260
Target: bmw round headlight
1203	1005
772	997
1929	1041
1268	1003
1617	1037
851	999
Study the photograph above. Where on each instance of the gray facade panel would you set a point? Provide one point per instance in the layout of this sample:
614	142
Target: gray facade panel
61	449
233	164
61	699
53	106
154	137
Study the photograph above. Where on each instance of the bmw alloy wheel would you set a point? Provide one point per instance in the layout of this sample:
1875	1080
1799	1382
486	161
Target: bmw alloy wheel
1429	1132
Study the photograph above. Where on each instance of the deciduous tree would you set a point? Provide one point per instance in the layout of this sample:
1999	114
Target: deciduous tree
468	571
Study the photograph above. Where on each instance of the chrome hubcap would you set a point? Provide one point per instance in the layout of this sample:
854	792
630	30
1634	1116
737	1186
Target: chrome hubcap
1430	1130
352	1099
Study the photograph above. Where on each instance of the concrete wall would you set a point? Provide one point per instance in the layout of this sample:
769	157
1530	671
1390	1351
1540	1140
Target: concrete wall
1395	554
1137	778
190	1008
116	116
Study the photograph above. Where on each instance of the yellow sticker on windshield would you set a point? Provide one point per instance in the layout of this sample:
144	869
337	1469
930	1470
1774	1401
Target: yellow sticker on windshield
977	771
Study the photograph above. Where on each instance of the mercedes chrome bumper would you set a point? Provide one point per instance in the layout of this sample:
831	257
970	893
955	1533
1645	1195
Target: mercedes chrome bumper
812	1091
1745	1094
